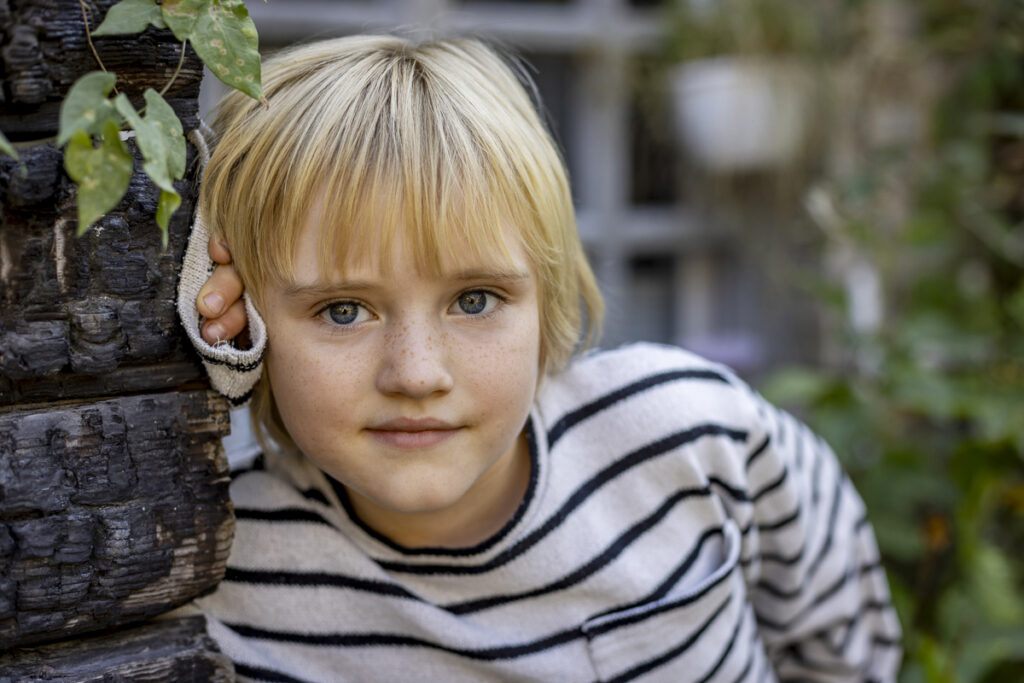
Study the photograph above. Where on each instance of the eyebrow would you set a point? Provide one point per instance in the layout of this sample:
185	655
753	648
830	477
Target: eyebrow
321	288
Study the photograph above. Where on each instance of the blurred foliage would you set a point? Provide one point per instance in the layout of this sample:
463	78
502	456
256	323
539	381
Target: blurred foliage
925	397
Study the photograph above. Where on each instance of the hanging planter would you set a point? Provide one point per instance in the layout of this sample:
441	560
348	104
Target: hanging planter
735	114
742	85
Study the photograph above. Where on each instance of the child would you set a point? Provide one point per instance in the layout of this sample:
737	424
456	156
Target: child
448	496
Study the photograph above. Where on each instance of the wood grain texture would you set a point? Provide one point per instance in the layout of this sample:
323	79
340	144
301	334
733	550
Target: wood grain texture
44	48
165	651
110	512
91	315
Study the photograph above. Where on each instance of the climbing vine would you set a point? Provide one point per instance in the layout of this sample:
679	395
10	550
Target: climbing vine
95	119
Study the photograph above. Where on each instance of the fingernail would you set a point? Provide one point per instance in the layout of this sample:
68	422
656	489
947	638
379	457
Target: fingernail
214	333
214	302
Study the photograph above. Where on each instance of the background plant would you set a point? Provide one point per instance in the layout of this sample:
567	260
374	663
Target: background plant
94	117
925	398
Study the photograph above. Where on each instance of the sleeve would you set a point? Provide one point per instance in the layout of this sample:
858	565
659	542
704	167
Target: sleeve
233	372
812	563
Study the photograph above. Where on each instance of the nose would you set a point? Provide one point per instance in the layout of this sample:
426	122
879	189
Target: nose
415	362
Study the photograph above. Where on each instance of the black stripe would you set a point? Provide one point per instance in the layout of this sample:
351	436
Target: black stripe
736	493
781	523
789	594
317	495
841	665
281	515
751	655
577	498
651	664
237	367
313	579
262	674
850	624
799	459
758	452
816	477
258	464
833	520
840	668
771	486
658	593
816	601
569	420
780	427
592	567
779	558
728	648
236	401
397	640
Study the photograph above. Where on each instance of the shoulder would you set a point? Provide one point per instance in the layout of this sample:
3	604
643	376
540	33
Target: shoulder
663	385
639	366
640	358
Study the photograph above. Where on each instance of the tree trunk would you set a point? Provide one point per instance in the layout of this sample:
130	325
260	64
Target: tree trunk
113	483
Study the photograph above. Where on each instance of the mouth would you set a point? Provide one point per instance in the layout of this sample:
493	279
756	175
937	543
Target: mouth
412	433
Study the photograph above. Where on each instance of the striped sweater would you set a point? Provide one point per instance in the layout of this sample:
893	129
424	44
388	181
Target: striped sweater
675	528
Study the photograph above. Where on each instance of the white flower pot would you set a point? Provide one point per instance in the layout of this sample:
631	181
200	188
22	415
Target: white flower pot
741	115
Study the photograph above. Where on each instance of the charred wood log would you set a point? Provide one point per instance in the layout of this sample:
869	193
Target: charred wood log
91	315
110	512
165	651
45	49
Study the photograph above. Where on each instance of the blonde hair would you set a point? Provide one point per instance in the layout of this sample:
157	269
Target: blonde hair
439	140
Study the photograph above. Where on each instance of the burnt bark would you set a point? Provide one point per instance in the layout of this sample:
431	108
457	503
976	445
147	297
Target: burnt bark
92	315
110	511
44	49
113	484
168	650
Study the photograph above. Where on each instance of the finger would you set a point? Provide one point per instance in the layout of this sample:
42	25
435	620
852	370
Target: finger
222	290
218	250
227	326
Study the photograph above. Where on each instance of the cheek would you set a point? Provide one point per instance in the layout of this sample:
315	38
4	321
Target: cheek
503	374
314	387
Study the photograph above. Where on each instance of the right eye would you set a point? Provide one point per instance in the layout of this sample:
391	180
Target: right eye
344	313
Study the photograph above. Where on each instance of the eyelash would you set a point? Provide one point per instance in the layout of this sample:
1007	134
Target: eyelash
323	314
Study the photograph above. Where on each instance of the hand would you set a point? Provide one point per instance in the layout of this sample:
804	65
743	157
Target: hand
219	300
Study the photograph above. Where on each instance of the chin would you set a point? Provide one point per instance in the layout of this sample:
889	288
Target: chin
420	501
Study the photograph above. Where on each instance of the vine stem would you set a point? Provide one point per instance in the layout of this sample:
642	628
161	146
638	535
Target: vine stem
88	34
181	60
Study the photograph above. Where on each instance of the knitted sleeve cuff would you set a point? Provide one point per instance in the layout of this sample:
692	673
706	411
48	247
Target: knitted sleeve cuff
233	372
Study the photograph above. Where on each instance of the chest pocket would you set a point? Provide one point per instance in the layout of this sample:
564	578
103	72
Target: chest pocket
702	630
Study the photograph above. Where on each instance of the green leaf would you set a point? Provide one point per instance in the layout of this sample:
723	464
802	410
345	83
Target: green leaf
130	16
86	107
7	148
162	117
160	138
181	15
162	142
225	39
102	173
169	203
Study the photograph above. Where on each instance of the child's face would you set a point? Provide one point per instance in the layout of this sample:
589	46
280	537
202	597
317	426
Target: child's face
410	389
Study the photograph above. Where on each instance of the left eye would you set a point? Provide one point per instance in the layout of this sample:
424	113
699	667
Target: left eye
476	302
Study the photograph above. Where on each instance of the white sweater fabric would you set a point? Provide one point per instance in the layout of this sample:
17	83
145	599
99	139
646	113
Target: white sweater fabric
676	527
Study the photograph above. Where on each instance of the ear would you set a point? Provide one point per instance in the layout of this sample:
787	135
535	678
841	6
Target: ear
219	250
